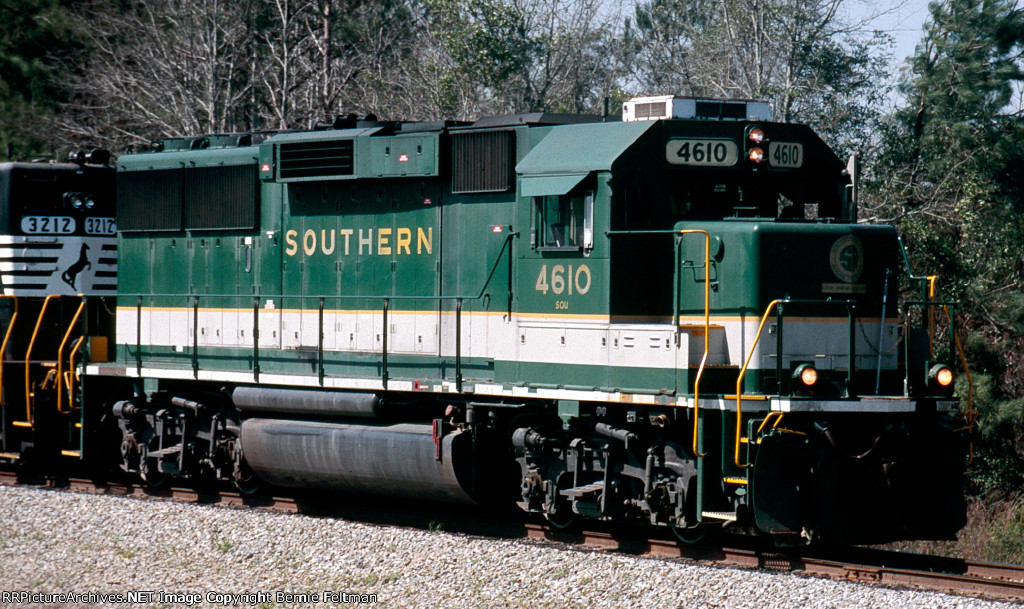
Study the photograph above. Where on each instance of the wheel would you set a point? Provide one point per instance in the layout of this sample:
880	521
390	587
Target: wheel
562	518
694	534
150	472
151	476
246	480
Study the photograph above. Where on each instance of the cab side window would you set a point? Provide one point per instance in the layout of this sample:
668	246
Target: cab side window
564	221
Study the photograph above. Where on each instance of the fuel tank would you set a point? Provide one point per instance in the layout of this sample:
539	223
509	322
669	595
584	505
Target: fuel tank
400	460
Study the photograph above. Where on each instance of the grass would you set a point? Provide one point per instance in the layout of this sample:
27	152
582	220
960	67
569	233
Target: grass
222	544
994	532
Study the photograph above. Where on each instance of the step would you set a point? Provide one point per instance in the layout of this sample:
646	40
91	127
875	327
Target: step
739	481
72	453
726	516
23	424
10	456
580	491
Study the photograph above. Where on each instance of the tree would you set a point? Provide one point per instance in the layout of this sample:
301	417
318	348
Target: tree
948	175
523	56
797	54
183	67
33	34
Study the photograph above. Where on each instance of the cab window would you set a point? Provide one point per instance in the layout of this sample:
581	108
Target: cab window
564	222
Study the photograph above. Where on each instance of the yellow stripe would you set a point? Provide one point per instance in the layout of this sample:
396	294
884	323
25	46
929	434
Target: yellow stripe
686	322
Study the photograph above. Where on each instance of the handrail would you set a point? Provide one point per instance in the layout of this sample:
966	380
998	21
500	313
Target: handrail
971	414
739	383
927	290
7	338
72	375
930	281
28	357
707	328
746	363
768	417
676	304
60	359
505	251
931	318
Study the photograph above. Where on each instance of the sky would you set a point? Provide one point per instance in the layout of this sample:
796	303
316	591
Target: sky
901	19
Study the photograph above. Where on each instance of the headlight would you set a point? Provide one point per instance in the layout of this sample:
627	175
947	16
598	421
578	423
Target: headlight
806	375
756	155
941	377
756	135
73	200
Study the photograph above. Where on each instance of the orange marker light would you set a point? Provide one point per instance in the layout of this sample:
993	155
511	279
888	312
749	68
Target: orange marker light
944	377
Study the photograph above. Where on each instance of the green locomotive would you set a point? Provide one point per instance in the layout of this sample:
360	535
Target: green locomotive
672	318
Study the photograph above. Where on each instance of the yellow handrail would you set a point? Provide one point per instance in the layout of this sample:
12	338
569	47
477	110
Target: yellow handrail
739	383
60	359
970	414
28	357
767	418
7	337
707	330
931	318
72	377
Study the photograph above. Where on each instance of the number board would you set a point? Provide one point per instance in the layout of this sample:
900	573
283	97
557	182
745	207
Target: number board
702	153
100	226
48	225
787	155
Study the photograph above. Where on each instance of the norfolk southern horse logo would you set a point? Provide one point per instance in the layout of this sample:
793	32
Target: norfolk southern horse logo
70	276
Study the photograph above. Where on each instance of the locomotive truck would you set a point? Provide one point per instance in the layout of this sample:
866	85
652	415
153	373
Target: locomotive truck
672	318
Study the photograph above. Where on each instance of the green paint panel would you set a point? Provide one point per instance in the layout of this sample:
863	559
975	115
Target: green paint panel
402	156
574	149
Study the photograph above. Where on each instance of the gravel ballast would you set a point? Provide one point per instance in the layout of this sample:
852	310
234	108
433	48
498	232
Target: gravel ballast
55	542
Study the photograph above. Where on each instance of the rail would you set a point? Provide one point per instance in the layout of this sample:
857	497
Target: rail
928	296
28	358
60	359
676	305
707	322
505	253
778	305
7	338
61	378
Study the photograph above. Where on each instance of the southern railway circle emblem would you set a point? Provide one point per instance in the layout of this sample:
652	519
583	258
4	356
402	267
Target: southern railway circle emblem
847	258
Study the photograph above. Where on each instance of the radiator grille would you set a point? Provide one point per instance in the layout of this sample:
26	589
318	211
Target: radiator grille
149	200
220	197
199	198
483	162
317	159
651	110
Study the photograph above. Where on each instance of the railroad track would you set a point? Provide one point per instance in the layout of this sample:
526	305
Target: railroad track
994	581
